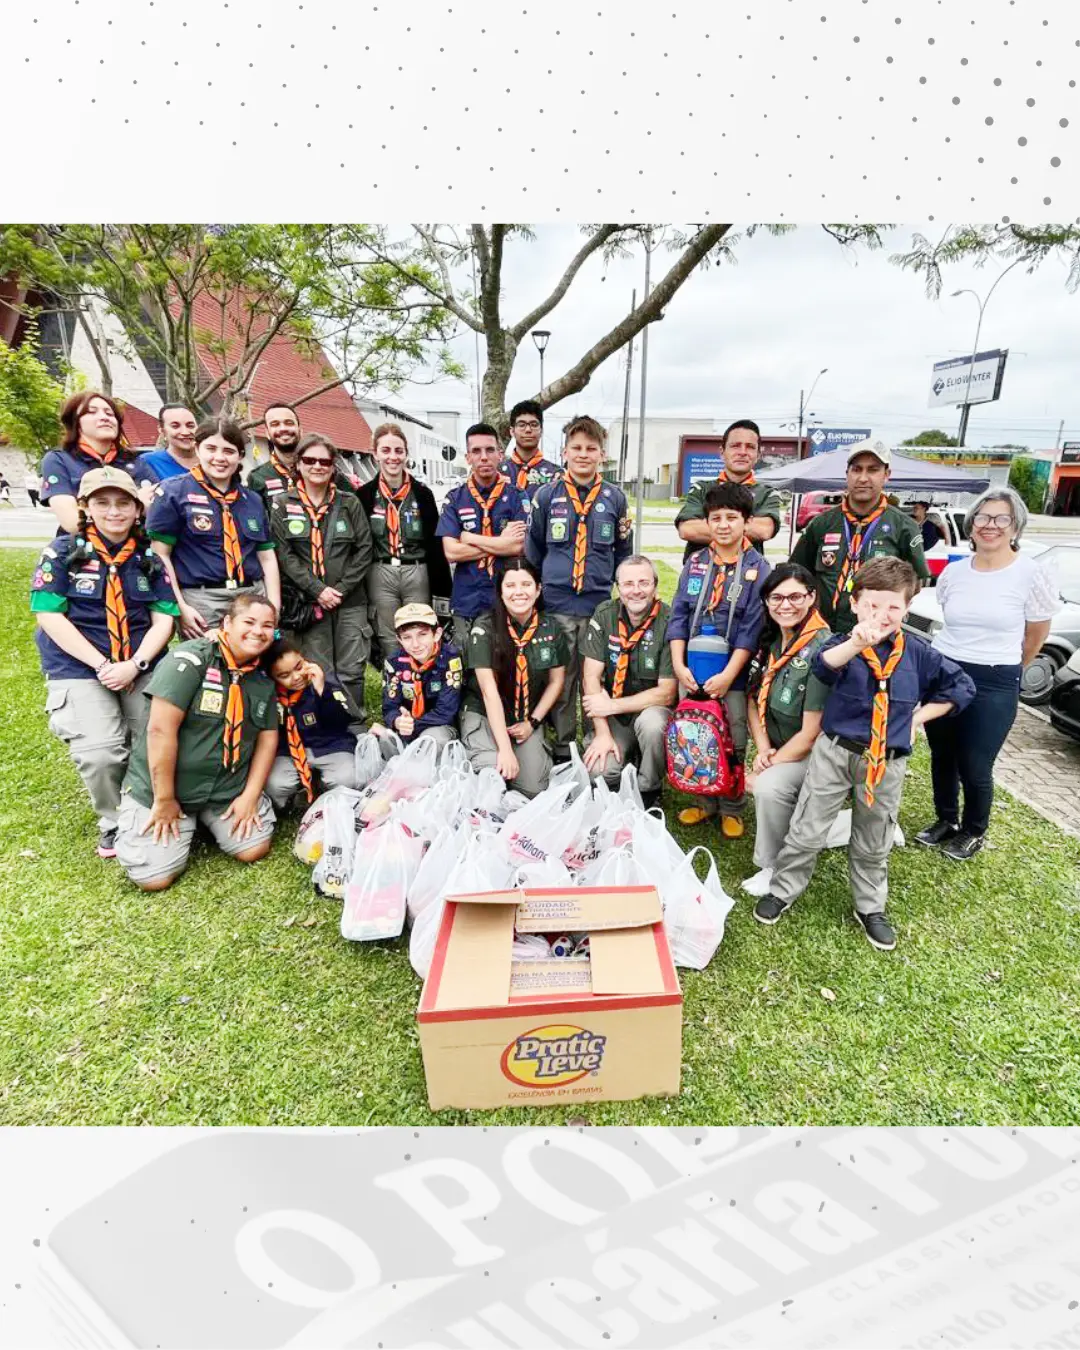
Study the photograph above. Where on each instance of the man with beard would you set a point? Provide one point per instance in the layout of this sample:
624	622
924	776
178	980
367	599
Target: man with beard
282	425
177	424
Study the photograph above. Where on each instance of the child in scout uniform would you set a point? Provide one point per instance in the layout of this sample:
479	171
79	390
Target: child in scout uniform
579	533
721	585
409	566
93	439
740	448
628	680
323	543
517	664
884	686
206	752
785	702
105	613
482	520
864	526
315	743
213	532
525	465
422	682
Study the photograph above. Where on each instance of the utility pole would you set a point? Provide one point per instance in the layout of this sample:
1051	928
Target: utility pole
1057	440
639	517
624	442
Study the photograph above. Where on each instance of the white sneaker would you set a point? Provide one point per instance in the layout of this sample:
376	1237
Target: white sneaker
759	883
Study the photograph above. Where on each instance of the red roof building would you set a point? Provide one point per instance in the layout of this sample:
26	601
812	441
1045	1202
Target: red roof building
140	429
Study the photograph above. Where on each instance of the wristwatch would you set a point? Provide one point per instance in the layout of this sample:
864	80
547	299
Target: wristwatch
536	723
141	664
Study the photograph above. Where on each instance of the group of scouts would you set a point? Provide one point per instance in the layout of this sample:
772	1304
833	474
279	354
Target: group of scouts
494	619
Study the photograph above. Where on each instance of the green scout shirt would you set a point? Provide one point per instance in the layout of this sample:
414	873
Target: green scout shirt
346	544
794	690
413	544
650	659
268	483
546	652
766	503
194	676
822	547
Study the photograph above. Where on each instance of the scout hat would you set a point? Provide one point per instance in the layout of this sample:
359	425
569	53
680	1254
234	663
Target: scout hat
415	614
107	477
868	447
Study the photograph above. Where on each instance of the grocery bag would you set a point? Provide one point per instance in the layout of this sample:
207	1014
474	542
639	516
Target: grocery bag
542	829
694	913
436	865
629	788
572	773
311	834
481	866
453	760
339	839
368	759
405	776
384	864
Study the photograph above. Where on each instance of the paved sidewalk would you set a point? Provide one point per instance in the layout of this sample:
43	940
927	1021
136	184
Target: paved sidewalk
1041	767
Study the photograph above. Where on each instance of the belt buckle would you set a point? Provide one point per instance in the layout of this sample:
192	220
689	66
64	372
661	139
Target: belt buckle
232	585
395	562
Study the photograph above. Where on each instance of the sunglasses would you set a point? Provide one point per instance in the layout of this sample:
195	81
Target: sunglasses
317	459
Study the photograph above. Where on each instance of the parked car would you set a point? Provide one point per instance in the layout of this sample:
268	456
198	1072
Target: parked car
924	618
814	504
1064	703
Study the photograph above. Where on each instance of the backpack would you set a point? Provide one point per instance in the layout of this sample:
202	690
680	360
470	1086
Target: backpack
700	751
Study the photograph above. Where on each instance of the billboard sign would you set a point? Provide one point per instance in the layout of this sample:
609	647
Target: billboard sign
700	468
950	380
824	439
1070	452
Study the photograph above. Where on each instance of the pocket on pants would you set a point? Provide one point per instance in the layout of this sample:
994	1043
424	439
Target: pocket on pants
62	722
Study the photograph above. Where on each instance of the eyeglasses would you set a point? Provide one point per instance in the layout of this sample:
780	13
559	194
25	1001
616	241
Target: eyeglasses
1002	522
527	426
307	459
797	598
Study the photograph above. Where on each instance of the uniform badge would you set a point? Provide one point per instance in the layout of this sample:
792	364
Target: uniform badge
296	527
407	690
693	586
785	694
830	539
53	478
341	526
85	585
751	574
625	527
886	528
545	653
212	701
203	523
607	530
558	531
828	558
599	508
159	491
649	662
40	579
260	708
340	697
141	583
308	719
436	685
252	524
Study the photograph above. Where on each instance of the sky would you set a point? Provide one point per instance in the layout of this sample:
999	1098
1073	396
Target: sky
742	340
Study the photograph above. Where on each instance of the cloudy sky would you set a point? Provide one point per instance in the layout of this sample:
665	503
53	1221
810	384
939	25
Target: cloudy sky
742	340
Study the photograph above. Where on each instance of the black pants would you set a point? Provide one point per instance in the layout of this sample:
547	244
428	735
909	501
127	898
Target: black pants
963	748
32	493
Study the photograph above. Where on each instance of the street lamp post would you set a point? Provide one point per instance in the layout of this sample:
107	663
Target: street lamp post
541	336
803	405
961	435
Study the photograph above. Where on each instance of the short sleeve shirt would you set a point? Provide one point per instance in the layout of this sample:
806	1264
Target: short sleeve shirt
546	652
183	515
795	690
545	471
62	470
650	658
766	503
194	677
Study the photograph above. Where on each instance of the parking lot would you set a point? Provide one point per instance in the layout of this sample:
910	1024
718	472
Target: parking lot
1041	767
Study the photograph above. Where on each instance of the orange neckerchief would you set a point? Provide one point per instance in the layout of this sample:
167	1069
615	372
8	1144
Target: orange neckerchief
96	455
234	558
282	468
487	563
297	749
419	670
393	516
581	536
852	561
879	717
813	623
316	515
234	708
116	615
522	468
720	580
627	642
521	665
750	481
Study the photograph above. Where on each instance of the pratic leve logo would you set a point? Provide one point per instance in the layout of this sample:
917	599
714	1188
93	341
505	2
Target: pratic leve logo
553	1056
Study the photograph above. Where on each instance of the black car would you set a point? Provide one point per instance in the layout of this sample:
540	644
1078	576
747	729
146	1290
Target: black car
1064	705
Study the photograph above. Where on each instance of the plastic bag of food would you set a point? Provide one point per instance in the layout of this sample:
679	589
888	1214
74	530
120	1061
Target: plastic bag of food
311	835
384	864
481	866
339	841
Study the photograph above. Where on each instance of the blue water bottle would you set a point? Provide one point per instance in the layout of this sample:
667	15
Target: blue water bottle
707	654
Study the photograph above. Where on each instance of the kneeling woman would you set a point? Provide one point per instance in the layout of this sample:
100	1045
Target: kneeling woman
105	613
315	736
517	666
206	753
783	709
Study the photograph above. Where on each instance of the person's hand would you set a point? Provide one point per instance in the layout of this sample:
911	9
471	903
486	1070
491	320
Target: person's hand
520	732
597	751
118	675
316	676
716	686
682	674
516	531
599	705
164	819
243	811
192	623
329	598
918	719
764	760
750	777
404	725
507	764
868	633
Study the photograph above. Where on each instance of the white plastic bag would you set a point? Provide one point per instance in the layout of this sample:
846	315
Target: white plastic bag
616	867
514	801
489	789
542	829
530	947
656	852
481	866
572	774
694	913
453	760
629	788
405	776
436	865
384	864
339	840
311	834
368	759
547	874
840	832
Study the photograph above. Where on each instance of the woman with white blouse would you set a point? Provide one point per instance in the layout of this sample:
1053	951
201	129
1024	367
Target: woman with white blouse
997	606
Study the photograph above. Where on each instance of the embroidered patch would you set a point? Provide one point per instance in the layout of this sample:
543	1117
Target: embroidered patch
203	523
294	509
141	583
831	538
296	527
260	708
828	558
308	719
40	579
751	574
558	531
212	701
213	675
85	585
341	526
198	497
600	508
693	586
340	696
436	685
252	524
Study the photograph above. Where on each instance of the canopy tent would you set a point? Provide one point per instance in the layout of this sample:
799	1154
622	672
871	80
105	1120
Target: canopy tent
828	473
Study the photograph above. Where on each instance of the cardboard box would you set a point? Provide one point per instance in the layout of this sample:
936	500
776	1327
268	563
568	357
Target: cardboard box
498	1032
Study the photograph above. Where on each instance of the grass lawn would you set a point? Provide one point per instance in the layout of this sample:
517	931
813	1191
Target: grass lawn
213	1004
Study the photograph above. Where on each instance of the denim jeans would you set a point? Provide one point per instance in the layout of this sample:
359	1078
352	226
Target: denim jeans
963	748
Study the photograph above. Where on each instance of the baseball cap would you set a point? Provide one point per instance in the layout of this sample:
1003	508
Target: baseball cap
415	613
107	477
869	447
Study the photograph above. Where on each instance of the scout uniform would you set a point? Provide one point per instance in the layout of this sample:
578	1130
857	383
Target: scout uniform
187	515
837	543
62	470
429	693
274	478
97	724
544	651
766	503
404	570
314	735
785	683
577	538
464	511
335	551
196	677
528	475
639	736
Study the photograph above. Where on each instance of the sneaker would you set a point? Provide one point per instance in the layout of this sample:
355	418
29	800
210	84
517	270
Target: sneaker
879	931
651	799
732	827
106	846
695	815
768	909
759	883
963	846
937	833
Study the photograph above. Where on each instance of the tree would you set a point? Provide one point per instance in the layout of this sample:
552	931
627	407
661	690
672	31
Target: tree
931	438
205	301
1029	482
1031	245
30	397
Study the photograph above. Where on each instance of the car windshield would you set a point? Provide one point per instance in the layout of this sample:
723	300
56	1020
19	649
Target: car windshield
1065	565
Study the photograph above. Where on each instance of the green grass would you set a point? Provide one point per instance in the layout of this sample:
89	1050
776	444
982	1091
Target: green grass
200	1005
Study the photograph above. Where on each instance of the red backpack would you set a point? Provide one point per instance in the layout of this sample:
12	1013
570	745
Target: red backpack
700	750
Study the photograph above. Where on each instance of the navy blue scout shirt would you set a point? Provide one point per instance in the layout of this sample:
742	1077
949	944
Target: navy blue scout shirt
77	590
698	575
442	690
322	720
62	470
544	471
186	517
474	590
923	675
549	546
